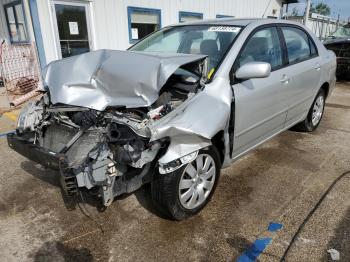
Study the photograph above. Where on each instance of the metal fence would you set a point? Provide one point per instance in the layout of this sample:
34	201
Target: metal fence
321	26
20	72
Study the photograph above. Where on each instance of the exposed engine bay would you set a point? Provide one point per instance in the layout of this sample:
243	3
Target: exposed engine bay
108	150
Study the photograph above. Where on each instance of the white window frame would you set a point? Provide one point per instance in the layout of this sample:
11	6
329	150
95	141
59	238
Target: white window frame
89	20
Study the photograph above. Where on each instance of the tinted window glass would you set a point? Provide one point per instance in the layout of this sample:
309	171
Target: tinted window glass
263	46
297	43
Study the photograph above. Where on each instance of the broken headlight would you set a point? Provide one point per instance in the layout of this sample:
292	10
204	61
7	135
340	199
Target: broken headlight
177	163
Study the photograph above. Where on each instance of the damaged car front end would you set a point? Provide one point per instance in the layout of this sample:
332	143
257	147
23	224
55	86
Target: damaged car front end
100	136
112	121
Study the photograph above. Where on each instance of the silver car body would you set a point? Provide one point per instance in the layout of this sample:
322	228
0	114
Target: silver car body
264	107
273	106
234	116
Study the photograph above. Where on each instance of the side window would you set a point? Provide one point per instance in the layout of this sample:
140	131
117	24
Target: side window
263	46
297	42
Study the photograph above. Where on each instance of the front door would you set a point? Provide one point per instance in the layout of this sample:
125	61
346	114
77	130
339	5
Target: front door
72	28
261	103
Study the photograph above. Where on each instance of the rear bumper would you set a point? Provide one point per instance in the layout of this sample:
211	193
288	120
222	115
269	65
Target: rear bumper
34	152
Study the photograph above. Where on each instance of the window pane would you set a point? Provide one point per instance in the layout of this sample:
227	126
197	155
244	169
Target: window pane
144	18
22	34
12	24
189	17
71	22
263	46
16	23
143	23
71	48
72	29
297	44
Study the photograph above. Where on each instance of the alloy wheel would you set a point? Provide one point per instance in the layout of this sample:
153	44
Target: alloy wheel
317	110
197	181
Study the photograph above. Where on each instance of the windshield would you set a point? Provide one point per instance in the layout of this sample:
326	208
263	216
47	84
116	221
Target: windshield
213	41
342	32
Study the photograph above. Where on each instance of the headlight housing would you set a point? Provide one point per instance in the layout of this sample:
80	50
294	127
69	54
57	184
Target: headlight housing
177	163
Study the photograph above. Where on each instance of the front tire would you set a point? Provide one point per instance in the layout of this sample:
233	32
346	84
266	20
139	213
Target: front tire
315	114
186	191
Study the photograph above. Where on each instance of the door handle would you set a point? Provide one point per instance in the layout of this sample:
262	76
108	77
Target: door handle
317	66
285	79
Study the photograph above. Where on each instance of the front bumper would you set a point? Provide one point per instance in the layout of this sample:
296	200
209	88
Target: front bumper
34	152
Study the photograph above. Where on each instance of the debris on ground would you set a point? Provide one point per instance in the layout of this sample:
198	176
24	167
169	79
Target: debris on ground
334	254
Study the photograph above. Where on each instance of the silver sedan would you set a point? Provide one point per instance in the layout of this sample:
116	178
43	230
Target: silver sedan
176	108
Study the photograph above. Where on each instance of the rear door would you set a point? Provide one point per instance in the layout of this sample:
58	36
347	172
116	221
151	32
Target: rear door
261	103
303	70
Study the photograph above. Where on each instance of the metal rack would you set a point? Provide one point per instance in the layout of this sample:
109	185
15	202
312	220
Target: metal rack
20	72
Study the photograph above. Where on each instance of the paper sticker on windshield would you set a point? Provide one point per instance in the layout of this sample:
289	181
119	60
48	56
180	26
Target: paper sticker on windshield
224	29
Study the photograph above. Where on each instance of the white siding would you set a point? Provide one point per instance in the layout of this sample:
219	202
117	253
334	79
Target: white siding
47	30
110	22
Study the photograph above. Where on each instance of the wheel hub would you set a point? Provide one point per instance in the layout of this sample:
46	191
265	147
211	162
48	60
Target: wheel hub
317	110
197	181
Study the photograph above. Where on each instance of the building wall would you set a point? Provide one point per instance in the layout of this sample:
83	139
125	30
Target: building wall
110	22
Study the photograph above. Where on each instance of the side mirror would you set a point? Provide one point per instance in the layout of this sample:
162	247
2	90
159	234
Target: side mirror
253	70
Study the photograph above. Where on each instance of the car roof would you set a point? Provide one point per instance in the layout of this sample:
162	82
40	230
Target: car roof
235	21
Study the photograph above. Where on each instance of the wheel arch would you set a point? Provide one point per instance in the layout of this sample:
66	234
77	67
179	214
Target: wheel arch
219	142
325	86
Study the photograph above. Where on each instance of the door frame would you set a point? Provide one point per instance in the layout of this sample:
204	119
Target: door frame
233	82
89	20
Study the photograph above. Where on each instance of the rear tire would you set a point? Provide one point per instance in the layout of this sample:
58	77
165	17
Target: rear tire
315	114
186	191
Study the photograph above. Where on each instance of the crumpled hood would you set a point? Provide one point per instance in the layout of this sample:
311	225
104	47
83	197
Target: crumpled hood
112	78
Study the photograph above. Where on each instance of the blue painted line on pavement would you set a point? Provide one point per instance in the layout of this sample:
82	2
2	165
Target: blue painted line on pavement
7	133
273	227
252	253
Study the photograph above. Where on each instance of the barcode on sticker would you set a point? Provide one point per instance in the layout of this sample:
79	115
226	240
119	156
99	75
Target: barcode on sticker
224	29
